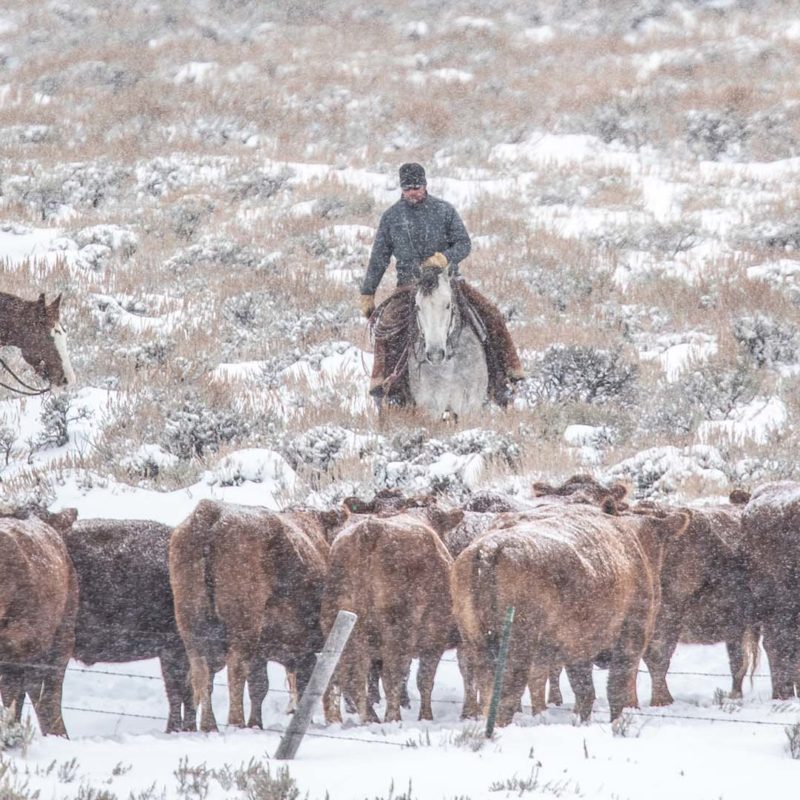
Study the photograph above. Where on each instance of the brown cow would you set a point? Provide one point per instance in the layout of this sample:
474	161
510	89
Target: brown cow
705	597
771	546
393	572
583	583
38	605
248	584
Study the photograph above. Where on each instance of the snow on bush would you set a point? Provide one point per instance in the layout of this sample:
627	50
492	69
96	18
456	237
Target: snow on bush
148	461
193	429
767	341
577	373
79	185
661	471
318	447
256	466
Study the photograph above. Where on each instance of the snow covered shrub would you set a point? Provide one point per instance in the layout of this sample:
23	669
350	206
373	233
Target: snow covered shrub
710	392
793	735
218	131
578	373
318	447
781	235
334	319
223	255
562	287
13	735
193	429
258	185
767	341
716	134
336	206
53	417
188	215
623	120
489	444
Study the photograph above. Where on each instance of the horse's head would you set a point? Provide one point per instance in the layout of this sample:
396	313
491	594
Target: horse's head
434	305
43	343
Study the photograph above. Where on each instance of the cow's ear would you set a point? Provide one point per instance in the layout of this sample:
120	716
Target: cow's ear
356	506
739	497
63	520
609	506
619	491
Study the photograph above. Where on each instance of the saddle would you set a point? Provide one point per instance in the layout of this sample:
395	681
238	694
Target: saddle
393	329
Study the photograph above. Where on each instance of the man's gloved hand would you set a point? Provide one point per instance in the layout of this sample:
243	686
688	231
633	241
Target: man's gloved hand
436	260
367	304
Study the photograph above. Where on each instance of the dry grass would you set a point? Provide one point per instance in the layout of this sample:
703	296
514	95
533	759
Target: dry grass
340	88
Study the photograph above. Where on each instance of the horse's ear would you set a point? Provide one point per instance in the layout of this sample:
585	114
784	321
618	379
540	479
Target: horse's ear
55	305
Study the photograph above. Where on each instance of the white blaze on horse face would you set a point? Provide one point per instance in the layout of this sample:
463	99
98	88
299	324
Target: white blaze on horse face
60	339
434	314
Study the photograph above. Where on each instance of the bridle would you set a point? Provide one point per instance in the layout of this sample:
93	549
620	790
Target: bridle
26	390
454	328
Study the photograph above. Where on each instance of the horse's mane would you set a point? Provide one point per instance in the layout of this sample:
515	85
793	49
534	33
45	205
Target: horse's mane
429	280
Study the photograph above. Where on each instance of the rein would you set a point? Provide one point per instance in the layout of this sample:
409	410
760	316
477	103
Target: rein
26	390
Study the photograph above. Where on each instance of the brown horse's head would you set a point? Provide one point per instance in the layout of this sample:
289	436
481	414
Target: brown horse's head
43	342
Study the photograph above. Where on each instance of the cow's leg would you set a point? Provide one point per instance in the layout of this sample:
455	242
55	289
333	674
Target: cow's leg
580	678
257	688
537	686
778	651
181	666
516	678
426	671
238	669
625	659
44	686
373	681
12	689
658	656
466	665
201	687
174	685
738	662
554	695
395	671
331	703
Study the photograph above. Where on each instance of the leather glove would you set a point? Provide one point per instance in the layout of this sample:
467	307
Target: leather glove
436	260
367	304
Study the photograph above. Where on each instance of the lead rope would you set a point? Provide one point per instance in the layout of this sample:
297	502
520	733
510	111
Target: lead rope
26	391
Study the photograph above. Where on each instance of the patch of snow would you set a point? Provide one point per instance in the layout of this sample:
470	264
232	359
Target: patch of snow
756	420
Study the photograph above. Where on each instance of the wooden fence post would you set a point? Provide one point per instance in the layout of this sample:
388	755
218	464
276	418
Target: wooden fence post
498	672
317	684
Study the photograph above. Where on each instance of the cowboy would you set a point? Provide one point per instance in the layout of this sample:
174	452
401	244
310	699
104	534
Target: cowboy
421	230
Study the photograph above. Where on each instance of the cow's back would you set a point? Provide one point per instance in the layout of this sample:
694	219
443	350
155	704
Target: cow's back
37	588
389	570
126	607
573	573
771	545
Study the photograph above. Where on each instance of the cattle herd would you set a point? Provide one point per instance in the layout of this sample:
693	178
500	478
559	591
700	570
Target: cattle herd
593	579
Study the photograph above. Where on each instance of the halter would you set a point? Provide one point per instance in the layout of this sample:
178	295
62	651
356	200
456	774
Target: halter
453	333
26	391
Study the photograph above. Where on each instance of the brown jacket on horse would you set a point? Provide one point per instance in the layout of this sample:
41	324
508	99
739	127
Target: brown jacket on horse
418	230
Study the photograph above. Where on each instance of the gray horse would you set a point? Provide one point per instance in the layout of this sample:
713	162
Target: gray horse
447	370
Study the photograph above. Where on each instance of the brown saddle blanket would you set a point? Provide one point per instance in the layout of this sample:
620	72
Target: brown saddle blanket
392	328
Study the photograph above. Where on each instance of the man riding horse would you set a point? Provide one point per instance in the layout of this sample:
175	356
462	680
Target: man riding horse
422	231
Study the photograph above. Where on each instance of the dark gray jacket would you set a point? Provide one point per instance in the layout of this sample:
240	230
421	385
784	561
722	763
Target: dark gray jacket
413	233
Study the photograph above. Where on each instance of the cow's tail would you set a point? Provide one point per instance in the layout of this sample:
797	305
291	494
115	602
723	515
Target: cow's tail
750	649
191	559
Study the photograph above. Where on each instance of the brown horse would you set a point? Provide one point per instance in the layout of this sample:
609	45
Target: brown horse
35	328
